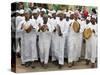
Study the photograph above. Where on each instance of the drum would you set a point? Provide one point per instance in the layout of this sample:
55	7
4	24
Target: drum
87	33
27	28
76	26
44	28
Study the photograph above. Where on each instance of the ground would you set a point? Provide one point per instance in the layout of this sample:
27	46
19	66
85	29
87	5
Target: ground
51	67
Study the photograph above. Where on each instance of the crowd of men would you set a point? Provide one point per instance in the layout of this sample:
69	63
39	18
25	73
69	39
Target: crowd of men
42	33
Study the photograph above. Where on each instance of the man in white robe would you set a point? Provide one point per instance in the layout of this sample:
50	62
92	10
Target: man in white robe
75	40
59	40
19	18
53	23
85	22
91	43
44	42
28	42
67	18
37	22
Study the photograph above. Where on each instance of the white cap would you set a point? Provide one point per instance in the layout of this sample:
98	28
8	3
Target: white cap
72	12
67	14
43	10
35	11
53	11
88	18
94	16
69	11
38	10
17	11
26	11
49	11
76	11
49	14
21	11
59	11
89	14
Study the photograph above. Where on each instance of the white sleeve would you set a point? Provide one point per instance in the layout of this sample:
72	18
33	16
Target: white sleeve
66	27
16	21
95	29
40	21
20	25
53	27
82	27
50	27
34	25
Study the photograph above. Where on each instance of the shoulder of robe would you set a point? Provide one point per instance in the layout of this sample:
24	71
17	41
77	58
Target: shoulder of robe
32	20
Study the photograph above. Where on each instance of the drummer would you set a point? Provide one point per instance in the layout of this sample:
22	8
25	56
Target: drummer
74	42
20	17
44	41
91	48
28	49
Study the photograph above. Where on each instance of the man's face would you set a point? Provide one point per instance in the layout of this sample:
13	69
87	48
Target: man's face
64	15
42	13
27	15
35	15
93	20
87	21
21	5
45	19
61	16
67	18
54	15
72	16
75	16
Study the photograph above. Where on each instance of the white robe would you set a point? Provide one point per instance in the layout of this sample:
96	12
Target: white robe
18	31
37	22
54	40
19	19
59	42
28	43
80	39
91	45
74	43
44	45
66	39
52	23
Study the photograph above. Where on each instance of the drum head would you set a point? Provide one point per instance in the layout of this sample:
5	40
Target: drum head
87	33
76	26
26	26
29	29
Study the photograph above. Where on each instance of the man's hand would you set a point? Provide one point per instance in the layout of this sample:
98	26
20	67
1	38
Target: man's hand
93	31
54	30
60	34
